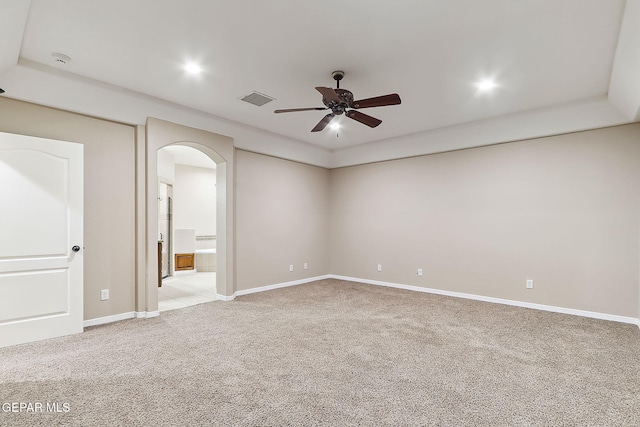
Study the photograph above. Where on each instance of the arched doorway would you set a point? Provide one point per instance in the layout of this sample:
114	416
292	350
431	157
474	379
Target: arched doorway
158	134
187	211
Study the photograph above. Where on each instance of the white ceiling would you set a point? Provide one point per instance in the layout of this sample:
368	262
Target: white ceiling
554	62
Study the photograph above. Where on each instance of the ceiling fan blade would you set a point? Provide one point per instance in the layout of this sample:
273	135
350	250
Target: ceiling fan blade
328	93
323	123
290	110
378	101
363	118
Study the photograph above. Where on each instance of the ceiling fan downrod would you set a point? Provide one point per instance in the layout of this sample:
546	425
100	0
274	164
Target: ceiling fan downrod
337	76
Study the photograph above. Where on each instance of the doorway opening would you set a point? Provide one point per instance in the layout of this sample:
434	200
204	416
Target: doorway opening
165	229
187	211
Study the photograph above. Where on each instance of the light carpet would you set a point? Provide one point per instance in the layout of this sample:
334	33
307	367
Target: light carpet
333	353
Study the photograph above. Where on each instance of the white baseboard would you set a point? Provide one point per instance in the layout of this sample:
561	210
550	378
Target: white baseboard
591	314
280	285
121	316
147	314
109	319
583	313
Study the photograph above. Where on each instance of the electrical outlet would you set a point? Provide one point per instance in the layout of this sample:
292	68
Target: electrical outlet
379	267
291	267
104	294
529	284
306	265
419	272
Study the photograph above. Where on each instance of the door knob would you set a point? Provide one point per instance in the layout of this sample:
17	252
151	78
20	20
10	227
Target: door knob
76	248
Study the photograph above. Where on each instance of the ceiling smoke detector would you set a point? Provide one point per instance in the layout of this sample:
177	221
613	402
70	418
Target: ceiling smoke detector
60	58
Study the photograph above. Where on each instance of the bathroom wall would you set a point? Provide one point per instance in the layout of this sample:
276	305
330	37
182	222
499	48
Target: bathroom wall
194	199
166	167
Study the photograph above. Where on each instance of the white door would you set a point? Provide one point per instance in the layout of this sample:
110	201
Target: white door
41	249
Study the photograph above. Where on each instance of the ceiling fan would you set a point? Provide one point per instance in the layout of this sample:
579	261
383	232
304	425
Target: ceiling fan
340	100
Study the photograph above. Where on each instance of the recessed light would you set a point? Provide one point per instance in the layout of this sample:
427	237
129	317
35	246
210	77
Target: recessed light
192	68
486	85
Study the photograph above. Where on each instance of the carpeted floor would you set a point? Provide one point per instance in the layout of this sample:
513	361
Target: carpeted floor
333	353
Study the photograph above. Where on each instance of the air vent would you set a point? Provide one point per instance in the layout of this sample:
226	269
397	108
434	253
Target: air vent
257	98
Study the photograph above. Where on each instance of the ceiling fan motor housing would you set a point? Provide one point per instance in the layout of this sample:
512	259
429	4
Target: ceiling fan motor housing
346	99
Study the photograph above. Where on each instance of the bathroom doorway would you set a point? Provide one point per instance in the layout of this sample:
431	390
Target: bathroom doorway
165	228
187	200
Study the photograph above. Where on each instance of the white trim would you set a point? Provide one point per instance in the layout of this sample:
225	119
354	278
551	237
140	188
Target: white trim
147	314
109	319
551	308
281	285
554	309
121	316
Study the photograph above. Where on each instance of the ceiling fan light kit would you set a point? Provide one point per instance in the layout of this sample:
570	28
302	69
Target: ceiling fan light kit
341	101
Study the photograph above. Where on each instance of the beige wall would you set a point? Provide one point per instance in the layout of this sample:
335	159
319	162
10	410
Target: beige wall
109	197
563	211
282	219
